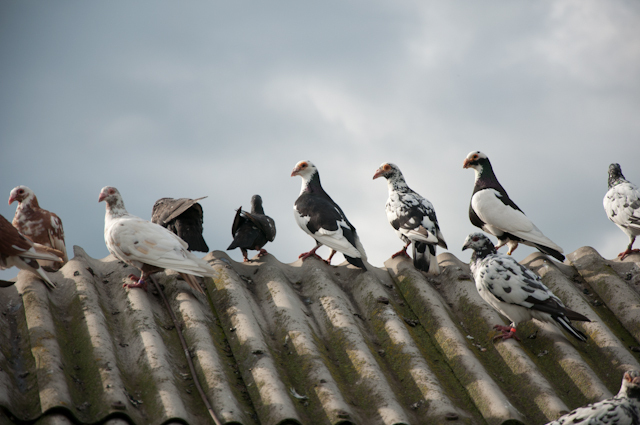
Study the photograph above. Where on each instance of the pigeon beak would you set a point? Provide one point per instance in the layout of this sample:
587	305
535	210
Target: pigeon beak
378	173
11	199
102	196
466	245
295	172
466	163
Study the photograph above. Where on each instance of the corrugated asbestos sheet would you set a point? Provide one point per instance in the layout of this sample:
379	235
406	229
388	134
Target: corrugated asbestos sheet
308	343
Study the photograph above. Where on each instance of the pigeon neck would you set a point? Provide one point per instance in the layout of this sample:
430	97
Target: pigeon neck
29	203
397	183
616	180
257	209
312	184
482	252
116	208
485	178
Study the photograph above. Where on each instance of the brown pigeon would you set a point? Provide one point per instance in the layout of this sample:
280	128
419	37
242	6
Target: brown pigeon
41	226
18	251
183	217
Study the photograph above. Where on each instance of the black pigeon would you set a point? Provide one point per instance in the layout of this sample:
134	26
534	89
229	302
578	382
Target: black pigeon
622	409
413	218
515	291
323	219
183	217
493	211
252	230
622	205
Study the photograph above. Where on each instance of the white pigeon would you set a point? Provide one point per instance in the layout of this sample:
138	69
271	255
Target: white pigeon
413	218
322	219
622	205
147	246
515	291
493	211
622	409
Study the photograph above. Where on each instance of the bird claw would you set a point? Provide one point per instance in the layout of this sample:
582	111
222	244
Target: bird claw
306	255
627	252
508	332
262	253
139	283
401	252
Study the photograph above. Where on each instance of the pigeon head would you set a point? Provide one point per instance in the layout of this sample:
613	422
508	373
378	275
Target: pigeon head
475	160
388	171
20	193
615	175
256	204
480	244
630	384
114	201
304	169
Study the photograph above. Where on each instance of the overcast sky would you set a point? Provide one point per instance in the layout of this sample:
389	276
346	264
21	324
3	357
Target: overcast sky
187	99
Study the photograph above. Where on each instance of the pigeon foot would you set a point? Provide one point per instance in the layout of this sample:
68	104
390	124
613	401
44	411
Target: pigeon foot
139	283
401	252
627	252
306	255
262	253
507	333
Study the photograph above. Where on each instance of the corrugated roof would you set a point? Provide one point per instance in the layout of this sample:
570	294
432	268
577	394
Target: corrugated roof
308	343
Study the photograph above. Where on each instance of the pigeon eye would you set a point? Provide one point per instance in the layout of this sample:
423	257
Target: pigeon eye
21	191
476	239
303	165
111	191
386	167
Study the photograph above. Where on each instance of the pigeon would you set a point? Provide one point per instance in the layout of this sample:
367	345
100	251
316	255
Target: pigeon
183	217
19	251
515	291
622	205
39	225
252	230
493	211
323	219
147	246
413	218
621	409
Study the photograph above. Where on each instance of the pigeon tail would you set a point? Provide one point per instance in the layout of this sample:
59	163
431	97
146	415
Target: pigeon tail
566	325
356	262
550	251
425	260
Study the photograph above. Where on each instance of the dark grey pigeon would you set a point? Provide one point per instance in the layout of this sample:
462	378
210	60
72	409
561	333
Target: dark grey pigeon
622	205
252	230
413	218
493	211
183	217
515	291
622	409
323	219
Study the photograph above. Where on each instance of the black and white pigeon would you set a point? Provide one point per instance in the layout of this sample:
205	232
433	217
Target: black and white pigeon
183	216
493	211
622	205
413	218
318	215
147	246
252	230
515	291
622	409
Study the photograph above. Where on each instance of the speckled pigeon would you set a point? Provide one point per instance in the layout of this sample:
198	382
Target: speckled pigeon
515	291
622	409
413	218
622	205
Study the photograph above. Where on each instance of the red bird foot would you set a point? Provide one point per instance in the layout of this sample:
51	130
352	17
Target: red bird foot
507	333
139	283
306	255
401	252
622	255
262	253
